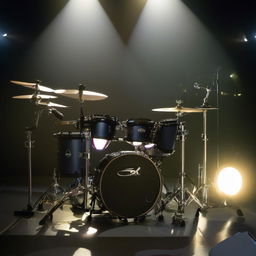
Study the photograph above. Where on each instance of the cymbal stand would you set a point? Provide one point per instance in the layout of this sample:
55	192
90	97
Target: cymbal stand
28	212
87	167
87	132
79	188
180	193
203	185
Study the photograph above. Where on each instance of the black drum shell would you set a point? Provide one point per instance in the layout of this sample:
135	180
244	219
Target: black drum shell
70	155
165	135
128	196
139	130
103	126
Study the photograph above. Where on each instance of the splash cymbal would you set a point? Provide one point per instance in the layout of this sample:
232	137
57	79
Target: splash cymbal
37	96
87	95
52	104
33	86
178	109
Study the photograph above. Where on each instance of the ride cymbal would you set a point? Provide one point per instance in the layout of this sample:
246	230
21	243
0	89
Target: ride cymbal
178	109
33	86
87	95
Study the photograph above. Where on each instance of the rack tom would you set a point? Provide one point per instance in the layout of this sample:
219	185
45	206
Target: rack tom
103	129
165	135
138	131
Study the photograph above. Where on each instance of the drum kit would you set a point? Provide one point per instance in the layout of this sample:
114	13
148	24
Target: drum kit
125	184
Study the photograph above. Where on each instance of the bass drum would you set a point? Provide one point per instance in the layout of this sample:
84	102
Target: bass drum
129	184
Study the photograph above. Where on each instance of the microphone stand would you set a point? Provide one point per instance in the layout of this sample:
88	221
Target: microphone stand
204	182
218	119
202	176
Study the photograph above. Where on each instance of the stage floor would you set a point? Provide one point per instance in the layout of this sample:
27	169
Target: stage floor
69	234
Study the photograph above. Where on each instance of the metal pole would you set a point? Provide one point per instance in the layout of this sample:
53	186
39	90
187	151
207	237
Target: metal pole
87	166
182	161
204	174
218	117
29	146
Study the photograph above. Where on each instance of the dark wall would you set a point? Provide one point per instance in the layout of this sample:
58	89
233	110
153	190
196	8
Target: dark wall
143	57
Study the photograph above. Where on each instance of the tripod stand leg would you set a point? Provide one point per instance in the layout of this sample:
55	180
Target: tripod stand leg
38	205
92	208
194	198
52	210
65	197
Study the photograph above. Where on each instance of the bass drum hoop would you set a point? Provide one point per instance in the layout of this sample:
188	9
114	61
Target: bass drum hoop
114	156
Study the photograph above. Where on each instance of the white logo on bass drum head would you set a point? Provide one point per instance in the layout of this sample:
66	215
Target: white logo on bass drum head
129	172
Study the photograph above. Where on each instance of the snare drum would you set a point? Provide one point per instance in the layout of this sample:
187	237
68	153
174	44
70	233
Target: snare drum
165	135
138	131
70	156
129	184
103	129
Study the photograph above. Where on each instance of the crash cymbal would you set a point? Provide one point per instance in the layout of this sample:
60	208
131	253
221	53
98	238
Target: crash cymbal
33	86
52	104
87	95
178	109
30	96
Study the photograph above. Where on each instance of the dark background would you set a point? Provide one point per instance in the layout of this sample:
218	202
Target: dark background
143	55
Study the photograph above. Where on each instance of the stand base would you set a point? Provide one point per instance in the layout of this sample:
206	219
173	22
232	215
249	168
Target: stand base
28	213
178	220
237	209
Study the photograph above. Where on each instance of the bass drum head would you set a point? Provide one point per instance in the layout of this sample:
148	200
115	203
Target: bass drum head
129	185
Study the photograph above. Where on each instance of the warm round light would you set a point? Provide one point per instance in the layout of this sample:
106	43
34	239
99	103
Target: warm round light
229	181
100	144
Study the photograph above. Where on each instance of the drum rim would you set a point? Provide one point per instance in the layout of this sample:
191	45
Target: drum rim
71	135
139	121
122	153
95	118
169	120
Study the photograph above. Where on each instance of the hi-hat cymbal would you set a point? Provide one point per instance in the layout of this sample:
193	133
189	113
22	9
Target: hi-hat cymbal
178	109
71	122
52	104
33	86
37	96
87	95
